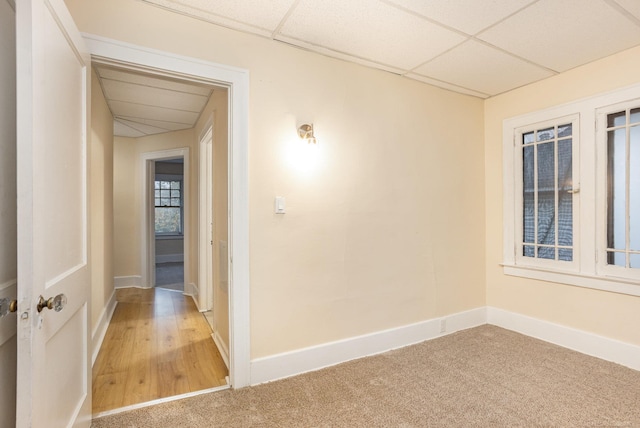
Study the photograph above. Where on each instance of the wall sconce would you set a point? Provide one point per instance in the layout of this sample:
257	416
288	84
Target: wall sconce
306	132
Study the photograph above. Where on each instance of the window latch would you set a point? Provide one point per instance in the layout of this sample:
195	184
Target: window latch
574	191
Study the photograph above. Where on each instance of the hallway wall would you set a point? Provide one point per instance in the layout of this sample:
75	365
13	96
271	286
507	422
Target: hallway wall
385	219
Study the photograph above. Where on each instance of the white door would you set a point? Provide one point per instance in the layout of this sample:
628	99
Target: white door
53	381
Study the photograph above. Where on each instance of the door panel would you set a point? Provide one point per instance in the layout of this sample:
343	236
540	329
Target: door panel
53	361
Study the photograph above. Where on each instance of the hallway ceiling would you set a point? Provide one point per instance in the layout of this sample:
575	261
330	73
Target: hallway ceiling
145	105
475	47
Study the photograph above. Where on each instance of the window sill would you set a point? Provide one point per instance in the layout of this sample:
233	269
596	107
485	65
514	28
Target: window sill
604	283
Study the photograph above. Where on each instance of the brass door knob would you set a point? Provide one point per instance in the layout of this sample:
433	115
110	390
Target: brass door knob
7	306
56	303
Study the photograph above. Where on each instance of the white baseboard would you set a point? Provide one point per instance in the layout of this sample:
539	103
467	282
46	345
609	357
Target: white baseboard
602	347
300	361
222	347
97	336
169	258
127	281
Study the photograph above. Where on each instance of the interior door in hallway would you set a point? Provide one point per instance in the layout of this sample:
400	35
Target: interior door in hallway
53	388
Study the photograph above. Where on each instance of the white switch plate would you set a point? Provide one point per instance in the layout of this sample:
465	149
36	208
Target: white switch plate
280	205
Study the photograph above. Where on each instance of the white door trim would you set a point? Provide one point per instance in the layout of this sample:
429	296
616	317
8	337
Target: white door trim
205	220
148	254
107	51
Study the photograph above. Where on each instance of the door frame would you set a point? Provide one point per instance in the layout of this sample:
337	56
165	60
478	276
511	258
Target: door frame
205	219
148	239
236	80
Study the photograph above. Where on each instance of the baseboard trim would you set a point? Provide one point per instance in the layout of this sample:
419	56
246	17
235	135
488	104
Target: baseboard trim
222	347
601	347
300	361
128	281
97	336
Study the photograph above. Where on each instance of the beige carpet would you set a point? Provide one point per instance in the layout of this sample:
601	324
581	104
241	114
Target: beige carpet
483	377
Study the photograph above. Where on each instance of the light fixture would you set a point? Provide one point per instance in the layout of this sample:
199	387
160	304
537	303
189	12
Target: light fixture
306	132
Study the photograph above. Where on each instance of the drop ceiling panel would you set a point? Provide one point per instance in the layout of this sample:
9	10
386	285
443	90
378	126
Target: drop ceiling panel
251	15
146	95
122	130
158	124
468	16
369	30
446	85
631	6
154	82
564	34
137	111
481	68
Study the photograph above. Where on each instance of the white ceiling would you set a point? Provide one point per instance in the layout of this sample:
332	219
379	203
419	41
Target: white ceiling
475	47
144	105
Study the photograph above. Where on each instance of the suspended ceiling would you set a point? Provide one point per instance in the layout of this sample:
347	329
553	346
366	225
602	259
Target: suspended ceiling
145	105
476	47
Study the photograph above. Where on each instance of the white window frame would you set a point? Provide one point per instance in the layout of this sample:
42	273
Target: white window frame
589	169
601	125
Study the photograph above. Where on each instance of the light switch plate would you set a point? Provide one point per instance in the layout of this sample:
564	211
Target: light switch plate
280	205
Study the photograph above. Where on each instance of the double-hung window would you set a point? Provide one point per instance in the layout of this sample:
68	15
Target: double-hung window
572	193
168	207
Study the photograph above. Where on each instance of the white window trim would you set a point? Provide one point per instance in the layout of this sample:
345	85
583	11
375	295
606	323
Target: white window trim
589	223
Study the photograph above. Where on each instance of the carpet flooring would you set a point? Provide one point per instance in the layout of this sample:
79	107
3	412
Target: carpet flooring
482	377
170	275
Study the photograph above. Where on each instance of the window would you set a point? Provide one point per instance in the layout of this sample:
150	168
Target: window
168	207
572	193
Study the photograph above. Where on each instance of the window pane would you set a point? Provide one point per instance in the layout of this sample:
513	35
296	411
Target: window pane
634	188
167	220
157	193
617	259
165	193
165	202
175	202
528	211
165	185
616	119
546	134
565	254
565	130
528	251
565	199
634	260
546	194
156	185
175	193
616	189
157	202
175	185
635	115
527	138
547	253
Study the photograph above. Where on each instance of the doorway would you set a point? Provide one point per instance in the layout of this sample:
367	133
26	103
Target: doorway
115	53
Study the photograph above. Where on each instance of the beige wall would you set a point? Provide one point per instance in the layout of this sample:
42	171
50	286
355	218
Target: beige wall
8	267
608	314
216	111
385	230
101	202
127	192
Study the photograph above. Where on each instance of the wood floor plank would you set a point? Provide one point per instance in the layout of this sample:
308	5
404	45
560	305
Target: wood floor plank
157	345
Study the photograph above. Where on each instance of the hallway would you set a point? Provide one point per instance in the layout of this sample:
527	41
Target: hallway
158	345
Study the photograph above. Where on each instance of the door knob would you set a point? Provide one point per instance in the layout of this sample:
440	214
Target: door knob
56	303
7	306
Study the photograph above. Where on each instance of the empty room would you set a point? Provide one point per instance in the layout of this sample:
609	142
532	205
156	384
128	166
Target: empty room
425	213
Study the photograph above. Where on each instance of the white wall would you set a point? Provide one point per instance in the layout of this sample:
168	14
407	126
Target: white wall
385	221
8	268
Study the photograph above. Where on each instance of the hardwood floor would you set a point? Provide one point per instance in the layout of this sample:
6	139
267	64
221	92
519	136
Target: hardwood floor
157	345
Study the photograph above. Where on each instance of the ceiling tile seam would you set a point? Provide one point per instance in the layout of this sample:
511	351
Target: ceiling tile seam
484	42
620	9
156	106
400	72
425	18
438	56
506	18
284	19
136	118
203	19
159	87
447	83
128	125
122	118
103	92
